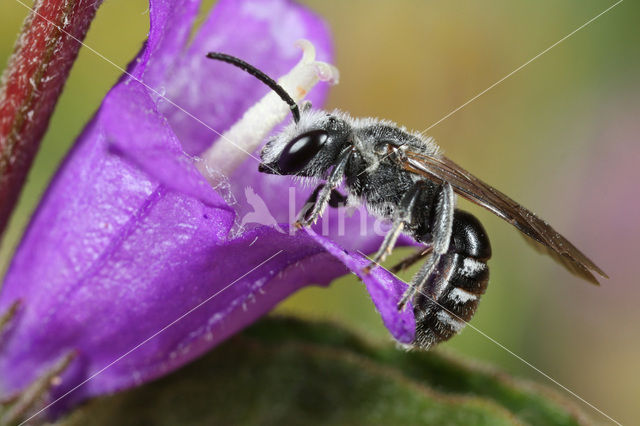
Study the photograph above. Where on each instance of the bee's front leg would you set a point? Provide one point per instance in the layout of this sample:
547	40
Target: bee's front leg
336	199
324	192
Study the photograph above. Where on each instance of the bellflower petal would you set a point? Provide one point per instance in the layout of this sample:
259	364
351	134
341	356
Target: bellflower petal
150	144
171	25
130	262
385	290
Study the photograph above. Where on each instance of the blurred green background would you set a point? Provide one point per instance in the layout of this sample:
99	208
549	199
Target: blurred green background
560	136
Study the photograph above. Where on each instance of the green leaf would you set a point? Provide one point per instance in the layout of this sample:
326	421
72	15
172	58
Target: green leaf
286	371
530	402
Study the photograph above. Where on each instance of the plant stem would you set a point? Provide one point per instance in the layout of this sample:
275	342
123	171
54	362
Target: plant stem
31	84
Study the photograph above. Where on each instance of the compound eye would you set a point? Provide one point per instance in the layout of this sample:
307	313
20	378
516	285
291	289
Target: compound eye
297	154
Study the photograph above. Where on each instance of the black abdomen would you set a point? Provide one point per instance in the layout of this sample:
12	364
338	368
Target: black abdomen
451	296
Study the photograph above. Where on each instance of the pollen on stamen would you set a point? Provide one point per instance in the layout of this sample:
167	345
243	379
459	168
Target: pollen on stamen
246	135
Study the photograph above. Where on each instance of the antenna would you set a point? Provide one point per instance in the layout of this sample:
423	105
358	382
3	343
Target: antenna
295	111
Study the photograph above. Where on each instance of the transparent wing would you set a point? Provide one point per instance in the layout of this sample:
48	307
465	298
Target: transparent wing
546	239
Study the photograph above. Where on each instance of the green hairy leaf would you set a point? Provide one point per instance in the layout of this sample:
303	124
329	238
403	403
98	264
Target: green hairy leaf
289	371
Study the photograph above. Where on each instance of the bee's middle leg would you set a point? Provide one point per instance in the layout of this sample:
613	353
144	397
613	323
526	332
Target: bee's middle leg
403	216
411	259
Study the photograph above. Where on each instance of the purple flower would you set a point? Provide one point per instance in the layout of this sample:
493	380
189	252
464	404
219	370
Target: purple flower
133	263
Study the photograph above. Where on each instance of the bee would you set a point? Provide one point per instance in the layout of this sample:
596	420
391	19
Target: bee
403	177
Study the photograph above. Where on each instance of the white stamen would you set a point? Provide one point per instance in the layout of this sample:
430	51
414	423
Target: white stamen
247	134
459	295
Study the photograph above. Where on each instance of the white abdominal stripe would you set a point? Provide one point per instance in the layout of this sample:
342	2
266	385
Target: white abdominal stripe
471	266
447	319
458	295
445	313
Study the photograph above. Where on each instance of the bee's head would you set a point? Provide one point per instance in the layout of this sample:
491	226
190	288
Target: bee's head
307	148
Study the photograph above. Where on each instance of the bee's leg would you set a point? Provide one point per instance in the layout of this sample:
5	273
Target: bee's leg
402	217
336	199
441	232
324	193
410	260
387	245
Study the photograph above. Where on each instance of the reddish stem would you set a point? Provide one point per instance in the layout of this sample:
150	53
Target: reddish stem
42	58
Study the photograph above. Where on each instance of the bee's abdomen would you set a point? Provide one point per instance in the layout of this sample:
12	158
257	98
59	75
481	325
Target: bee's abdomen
452	293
